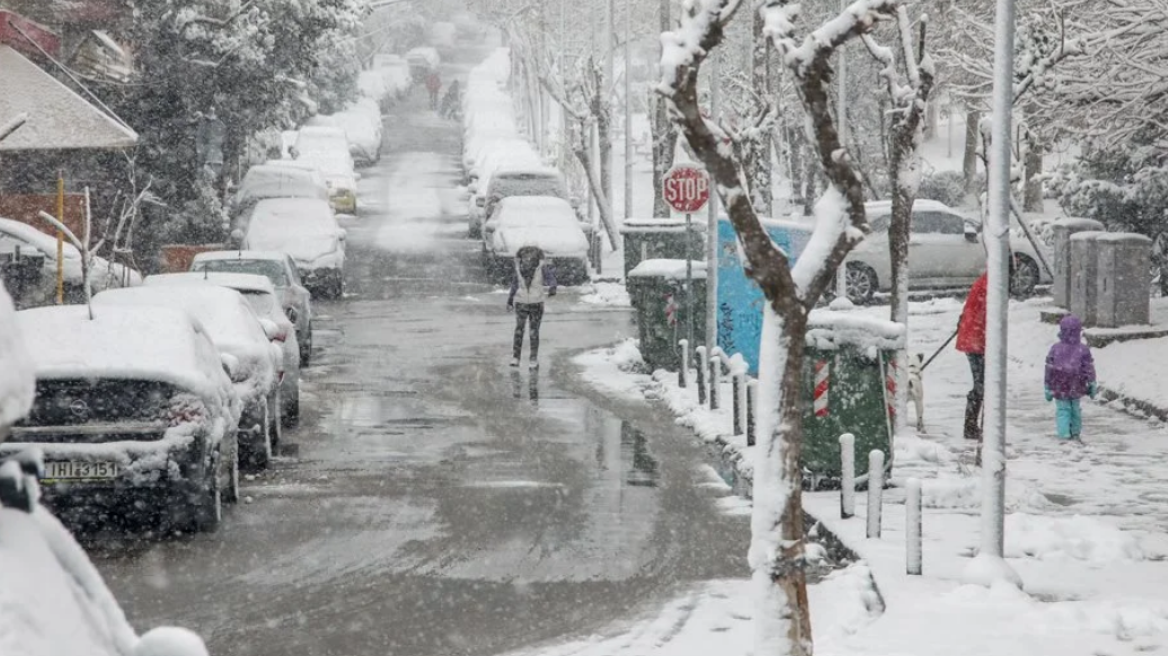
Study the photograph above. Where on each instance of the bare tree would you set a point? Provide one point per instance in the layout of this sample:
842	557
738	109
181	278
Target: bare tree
777	553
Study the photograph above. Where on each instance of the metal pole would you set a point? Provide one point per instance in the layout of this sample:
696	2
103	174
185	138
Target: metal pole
712	226
60	238
989	566
841	276
628	110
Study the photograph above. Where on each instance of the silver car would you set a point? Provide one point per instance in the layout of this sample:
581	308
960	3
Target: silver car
945	251
281	270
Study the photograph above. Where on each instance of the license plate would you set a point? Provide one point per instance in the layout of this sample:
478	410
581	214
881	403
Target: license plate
80	471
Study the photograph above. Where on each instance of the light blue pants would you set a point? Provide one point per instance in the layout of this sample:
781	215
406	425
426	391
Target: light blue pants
1068	418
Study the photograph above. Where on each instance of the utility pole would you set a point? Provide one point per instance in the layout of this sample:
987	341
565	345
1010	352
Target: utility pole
989	565
712	225
628	110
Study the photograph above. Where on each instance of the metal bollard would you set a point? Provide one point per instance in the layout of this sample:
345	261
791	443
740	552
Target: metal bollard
912	527
875	491
847	475
715	382
751	411
683	371
703	368
739	403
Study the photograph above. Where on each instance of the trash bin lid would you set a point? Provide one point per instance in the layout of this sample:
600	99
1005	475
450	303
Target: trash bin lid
672	269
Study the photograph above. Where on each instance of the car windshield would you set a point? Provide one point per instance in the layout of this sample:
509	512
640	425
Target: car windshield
270	268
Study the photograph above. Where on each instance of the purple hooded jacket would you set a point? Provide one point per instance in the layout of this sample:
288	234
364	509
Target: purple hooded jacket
1070	369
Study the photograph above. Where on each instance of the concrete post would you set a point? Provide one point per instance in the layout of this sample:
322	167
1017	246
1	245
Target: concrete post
875	491
751	411
912	524
847	476
683	371
715	382
703	368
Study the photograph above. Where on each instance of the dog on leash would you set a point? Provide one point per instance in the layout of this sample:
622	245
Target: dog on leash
916	387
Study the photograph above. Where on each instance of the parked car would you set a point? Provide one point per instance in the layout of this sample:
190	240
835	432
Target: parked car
544	221
946	250
281	270
240	334
261	296
277	181
327	148
134	412
308	232
105	275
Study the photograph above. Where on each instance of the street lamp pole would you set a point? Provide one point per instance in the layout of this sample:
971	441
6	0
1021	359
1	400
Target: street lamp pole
989	566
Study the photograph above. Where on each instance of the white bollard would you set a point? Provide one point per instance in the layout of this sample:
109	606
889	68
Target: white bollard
912	526
683	373
715	382
847	475
875	491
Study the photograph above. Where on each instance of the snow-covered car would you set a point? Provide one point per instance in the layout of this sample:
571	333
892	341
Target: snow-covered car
53	601
945	250
242	336
308	232
30	241
395	71
277	181
327	149
281	270
261	296
134	412
544	221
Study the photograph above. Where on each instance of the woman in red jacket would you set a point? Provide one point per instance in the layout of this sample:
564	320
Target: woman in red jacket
971	336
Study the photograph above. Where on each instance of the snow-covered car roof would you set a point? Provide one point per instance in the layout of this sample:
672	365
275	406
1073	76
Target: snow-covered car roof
244	282
17	376
275	256
123	343
43	242
267	181
229	320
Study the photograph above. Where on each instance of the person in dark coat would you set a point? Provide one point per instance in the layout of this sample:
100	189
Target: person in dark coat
971	338
533	281
1070	375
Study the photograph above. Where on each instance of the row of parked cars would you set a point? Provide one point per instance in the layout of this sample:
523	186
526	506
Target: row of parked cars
515	199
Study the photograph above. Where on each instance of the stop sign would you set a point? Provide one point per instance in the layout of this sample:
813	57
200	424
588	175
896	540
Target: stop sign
686	189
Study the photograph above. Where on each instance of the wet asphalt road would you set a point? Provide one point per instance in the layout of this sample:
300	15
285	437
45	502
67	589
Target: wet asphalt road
435	501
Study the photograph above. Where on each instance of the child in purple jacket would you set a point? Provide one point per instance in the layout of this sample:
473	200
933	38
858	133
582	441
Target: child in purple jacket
1070	374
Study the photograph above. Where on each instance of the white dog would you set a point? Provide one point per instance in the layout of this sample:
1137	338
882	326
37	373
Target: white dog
916	387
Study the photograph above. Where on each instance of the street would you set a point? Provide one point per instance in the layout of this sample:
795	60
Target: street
434	500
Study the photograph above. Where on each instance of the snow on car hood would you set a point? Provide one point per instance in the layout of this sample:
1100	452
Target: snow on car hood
17	376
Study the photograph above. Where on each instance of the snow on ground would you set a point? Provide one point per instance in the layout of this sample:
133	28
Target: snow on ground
1087	527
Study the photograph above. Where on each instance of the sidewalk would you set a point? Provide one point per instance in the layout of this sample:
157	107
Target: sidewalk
1087	527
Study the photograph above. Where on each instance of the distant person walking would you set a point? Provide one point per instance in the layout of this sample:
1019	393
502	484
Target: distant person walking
971	337
433	85
1070	375
532	276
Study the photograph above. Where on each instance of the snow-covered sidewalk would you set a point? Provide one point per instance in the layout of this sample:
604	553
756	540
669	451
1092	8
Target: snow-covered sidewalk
1087	529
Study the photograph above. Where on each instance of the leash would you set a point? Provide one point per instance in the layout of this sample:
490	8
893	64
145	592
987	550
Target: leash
934	356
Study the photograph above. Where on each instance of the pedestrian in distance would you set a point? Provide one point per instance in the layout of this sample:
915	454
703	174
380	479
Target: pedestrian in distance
1070	375
433	85
534	280
971	336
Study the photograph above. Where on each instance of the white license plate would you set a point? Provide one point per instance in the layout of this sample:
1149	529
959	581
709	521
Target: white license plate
80	471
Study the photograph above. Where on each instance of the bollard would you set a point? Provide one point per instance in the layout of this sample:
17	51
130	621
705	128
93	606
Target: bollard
703	367
912	526
715	382
751	411
847	475
875	491
683	371
739	402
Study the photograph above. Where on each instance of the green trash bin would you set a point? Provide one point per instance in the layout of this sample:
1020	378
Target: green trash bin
849	387
655	239
657	291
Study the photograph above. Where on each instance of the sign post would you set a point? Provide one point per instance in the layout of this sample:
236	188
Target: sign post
686	189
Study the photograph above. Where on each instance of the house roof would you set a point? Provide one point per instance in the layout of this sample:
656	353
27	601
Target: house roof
58	118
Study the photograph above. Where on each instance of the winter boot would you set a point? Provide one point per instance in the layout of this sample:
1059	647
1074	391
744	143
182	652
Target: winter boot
973	416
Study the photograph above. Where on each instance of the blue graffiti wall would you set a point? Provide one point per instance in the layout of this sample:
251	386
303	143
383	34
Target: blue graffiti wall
740	301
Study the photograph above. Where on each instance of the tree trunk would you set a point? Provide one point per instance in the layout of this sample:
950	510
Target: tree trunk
1032	172
972	140
664	134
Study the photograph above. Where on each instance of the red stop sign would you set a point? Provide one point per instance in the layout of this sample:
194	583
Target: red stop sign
686	189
